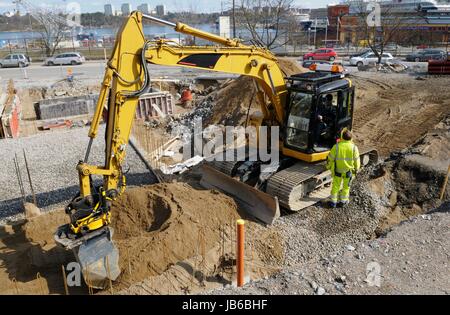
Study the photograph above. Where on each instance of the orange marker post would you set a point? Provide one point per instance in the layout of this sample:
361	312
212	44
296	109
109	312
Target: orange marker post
240	252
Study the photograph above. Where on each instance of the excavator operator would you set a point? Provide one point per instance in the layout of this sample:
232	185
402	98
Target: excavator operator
325	119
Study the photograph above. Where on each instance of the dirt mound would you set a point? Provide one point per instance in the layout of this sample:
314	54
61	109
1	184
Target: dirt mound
155	228
237	98
290	66
160	225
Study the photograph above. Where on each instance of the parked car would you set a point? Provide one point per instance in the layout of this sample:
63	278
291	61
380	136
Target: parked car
72	58
360	53
426	55
15	60
370	57
321	54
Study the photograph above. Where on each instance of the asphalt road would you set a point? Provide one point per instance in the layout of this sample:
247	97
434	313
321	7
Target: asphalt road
93	71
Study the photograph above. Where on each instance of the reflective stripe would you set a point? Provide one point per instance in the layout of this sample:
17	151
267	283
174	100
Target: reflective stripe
345	159
355	158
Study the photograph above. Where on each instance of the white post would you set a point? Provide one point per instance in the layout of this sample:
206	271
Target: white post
25	74
315	33
337	30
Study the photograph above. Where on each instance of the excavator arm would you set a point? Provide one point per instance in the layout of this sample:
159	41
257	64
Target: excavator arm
126	78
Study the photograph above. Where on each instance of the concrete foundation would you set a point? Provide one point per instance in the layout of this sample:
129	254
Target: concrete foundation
66	107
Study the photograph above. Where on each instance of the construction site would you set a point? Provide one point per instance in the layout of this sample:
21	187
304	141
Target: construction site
174	228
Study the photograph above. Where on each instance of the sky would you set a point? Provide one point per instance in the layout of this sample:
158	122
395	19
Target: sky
172	5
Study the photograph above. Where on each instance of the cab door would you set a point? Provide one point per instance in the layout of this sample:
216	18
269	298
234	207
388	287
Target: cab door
346	100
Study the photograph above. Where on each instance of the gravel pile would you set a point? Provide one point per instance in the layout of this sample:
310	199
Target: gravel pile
200	112
65	88
52	158
411	259
317	231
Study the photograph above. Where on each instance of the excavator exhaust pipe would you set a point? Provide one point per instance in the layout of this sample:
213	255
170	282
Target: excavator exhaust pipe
96	253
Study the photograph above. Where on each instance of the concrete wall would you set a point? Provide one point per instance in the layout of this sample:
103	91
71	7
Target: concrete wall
66	107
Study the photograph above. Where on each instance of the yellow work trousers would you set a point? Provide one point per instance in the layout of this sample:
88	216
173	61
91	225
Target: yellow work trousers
340	189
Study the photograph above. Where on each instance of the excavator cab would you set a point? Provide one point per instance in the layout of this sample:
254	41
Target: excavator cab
320	105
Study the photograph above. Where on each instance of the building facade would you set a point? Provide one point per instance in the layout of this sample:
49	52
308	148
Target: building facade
144	8
161	10
126	9
109	10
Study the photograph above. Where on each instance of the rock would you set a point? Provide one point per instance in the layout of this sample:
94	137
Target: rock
350	248
320	291
393	199
314	286
426	217
60	93
31	210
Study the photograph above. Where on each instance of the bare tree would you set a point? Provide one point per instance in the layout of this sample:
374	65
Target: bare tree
388	27
265	20
52	24
52	34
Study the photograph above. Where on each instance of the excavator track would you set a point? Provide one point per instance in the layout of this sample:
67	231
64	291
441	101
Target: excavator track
294	188
304	184
295	185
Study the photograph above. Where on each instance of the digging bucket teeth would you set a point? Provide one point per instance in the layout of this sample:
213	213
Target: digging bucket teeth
255	202
96	254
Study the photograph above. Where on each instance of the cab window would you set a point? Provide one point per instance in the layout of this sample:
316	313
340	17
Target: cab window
299	120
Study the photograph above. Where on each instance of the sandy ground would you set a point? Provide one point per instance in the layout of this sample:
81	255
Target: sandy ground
393	111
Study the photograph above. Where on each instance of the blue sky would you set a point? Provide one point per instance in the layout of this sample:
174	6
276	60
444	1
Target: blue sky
172	5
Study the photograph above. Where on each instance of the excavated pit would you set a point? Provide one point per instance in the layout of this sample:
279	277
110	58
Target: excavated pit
155	228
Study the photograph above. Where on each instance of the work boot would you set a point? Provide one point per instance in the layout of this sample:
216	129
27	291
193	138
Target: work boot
343	204
332	205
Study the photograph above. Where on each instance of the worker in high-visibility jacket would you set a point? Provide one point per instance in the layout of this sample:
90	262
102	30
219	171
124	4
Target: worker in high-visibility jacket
343	162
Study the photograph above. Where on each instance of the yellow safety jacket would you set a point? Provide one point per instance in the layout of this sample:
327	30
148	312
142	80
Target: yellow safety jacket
343	158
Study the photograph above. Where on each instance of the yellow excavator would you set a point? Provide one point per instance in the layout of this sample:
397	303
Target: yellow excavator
309	109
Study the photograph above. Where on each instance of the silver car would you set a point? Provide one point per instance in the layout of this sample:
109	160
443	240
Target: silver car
72	58
15	60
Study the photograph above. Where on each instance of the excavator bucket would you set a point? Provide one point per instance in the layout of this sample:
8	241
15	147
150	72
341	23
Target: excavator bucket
255	202
96	254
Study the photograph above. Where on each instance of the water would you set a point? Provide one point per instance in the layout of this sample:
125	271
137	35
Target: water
150	30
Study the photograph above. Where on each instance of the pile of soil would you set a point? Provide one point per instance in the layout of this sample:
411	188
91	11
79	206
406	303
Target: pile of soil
30	260
155	228
234	99
158	226
409	182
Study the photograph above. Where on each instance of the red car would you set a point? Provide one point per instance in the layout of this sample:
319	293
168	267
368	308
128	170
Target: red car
321	54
